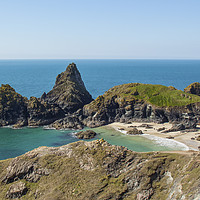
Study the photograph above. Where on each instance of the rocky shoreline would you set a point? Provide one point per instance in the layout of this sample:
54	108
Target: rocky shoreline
150	130
70	106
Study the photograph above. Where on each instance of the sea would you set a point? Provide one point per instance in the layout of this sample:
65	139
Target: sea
34	77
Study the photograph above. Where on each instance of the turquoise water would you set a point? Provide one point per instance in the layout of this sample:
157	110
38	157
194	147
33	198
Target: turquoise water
33	77
14	142
138	143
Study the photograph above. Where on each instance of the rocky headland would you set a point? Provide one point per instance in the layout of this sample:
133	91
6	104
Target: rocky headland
143	103
98	170
70	106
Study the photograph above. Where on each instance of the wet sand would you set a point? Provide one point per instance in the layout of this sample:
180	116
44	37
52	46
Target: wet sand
179	136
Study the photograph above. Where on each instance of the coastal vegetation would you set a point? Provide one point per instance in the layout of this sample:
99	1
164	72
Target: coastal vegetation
98	170
157	95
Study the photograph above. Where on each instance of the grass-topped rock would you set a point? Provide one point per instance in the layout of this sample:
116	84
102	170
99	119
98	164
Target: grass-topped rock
157	95
144	102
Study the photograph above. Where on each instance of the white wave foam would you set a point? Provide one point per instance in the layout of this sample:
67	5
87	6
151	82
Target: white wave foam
161	141
167	142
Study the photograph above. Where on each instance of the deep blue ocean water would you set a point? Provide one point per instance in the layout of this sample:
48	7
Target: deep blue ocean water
33	77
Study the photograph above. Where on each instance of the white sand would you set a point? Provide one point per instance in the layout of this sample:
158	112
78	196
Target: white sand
183	139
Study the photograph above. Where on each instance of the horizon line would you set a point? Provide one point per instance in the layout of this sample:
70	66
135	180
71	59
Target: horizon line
99	58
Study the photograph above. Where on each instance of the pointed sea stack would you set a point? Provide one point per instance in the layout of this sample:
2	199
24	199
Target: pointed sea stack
69	91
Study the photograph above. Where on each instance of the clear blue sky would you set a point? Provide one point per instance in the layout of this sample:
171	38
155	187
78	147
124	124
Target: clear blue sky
100	29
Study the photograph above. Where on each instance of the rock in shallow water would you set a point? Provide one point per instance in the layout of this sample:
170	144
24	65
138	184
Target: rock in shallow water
134	131
89	134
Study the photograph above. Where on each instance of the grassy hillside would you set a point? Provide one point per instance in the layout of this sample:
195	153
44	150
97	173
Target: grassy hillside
97	170
158	95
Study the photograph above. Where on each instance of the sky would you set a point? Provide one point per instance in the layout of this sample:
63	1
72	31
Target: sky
100	29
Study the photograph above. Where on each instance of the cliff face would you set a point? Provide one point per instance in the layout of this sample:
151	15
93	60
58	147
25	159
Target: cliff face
142	102
69	91
98	170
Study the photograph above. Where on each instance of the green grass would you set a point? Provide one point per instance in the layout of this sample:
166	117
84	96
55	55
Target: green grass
69	180
157	95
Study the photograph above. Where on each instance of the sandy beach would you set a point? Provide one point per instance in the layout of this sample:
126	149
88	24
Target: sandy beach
153	131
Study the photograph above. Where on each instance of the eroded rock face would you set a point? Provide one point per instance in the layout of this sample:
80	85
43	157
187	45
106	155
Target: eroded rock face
102	113
69	91
193	88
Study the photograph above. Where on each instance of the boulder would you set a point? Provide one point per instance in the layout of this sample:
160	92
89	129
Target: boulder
89	134
161	129
134	131
198	138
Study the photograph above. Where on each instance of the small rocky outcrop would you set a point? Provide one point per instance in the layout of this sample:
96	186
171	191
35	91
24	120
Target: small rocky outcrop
193	88
134	131
69	91
189	125
16	190
198	138
147	126
88	134
161	129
